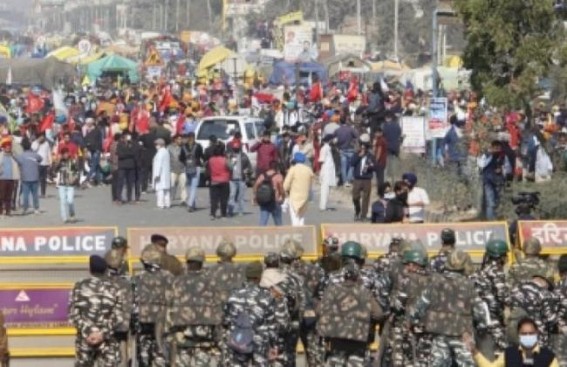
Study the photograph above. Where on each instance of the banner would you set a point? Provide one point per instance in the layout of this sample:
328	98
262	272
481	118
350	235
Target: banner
438	118
552	234
250	242
30	307
377	237
55	242
349	44
413	130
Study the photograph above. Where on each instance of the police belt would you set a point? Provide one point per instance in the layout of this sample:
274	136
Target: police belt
121	336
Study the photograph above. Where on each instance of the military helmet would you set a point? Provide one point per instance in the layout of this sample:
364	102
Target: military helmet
448	236
226	250
532	246
364	252
195	254
114	259
352	249
272	260
414	256
458	261
496	248
119	242
289	250
151	255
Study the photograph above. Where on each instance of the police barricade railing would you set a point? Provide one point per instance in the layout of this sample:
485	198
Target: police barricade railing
471	236
36	319
252	243
551	233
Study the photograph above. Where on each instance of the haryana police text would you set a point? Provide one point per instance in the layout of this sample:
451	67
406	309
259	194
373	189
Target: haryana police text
52	244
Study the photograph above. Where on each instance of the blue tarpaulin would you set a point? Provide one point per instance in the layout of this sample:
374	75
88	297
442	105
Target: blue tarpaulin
284	73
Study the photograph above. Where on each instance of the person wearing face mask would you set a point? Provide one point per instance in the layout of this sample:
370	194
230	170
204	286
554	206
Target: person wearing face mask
397	206
529	353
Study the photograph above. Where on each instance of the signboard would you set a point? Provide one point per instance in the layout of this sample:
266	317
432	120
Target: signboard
240	7
84	46
250	242
413	130
297	42
438	118
552	234
30	307
377	237
349	44
54	242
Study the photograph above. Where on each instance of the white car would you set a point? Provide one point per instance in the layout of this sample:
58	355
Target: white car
223	127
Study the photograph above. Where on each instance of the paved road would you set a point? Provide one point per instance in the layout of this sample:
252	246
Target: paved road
94	208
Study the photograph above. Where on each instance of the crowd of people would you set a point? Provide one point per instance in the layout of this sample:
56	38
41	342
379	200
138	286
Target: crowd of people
437	311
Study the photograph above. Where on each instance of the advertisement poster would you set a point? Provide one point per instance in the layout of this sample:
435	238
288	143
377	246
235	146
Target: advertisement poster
470	236
54	242
413	130
349	44
250	241
31	307
438	118
298	41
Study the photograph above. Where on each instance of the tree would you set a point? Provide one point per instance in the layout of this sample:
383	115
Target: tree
509	46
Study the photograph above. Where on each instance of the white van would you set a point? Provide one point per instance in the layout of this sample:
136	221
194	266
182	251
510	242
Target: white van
223	127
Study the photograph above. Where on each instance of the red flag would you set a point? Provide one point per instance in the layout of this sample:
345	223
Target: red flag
166	99
352	90
35	103
316	93
47	122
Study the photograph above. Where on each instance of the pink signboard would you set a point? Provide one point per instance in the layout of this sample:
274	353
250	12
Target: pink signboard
35	307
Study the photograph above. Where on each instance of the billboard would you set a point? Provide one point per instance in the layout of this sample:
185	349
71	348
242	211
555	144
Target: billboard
413	130
250	242
349	44
438	118
298	42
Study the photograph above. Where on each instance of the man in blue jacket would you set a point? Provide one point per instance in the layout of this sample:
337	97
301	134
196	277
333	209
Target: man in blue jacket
363	169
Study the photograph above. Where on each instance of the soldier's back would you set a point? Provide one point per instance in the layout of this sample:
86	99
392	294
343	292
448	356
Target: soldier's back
226	277
151	293
172	264
525	269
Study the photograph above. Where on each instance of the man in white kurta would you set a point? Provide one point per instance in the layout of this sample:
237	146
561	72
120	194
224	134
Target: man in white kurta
327	175
162	175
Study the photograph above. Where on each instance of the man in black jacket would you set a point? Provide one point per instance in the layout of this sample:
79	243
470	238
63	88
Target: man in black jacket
363	169
127	153
93	143
396	210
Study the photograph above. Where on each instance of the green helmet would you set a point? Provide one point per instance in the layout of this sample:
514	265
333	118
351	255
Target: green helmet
151	255
352	249
226	250
458	261
496	248
532	246
414	256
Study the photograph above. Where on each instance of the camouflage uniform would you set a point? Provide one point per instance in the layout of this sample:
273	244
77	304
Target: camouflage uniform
525	268
311	275
194	316
259	304
115	274
151	292
540	304
448	308
490	283
384	263
94	305
4	352
560	342
409	347
346	313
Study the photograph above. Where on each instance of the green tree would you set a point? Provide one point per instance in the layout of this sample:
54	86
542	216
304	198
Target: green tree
510	45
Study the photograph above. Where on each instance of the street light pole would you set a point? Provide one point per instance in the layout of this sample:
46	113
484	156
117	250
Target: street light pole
396	24
359	17
434	77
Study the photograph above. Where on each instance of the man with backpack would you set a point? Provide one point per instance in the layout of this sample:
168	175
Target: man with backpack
269	195
249	317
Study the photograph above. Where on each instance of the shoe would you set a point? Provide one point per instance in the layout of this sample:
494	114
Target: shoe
213	217
190	209
357	218
37	212
348	184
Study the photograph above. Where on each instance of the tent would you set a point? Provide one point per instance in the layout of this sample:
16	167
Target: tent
346	62
43	72
113	63
214	57
5	52
284	73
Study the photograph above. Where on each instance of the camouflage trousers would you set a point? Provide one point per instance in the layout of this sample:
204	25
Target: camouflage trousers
313	346
338	358
447	351
559	342
246	360
148	353
291	347
193	357
410	349
104	355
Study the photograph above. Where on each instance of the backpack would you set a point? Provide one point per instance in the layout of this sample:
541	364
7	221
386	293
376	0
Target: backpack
266	194
241	338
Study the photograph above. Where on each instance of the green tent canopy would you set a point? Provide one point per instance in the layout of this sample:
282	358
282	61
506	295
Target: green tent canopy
113	63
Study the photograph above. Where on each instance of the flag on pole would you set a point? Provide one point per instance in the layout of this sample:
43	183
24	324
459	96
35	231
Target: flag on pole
9	76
